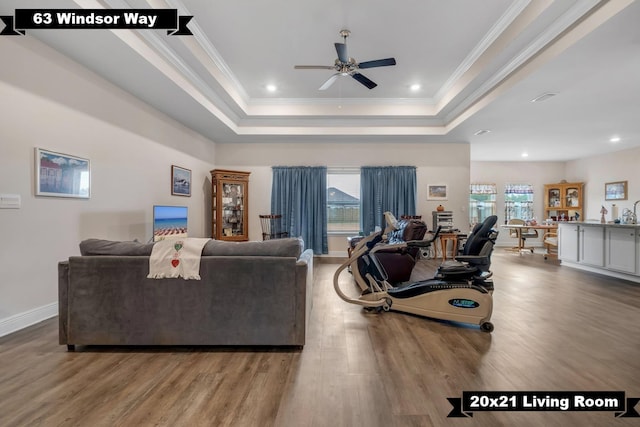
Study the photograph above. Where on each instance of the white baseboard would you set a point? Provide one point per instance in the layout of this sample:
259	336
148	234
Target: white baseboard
27	318
335	254
602	270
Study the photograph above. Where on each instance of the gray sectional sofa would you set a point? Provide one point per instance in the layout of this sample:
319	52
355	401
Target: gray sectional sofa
251	293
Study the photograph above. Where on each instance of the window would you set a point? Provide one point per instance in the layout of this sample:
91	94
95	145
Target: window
518	201
482	202
343	200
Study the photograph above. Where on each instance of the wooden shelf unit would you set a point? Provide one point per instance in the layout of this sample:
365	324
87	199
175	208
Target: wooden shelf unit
230	196
563	201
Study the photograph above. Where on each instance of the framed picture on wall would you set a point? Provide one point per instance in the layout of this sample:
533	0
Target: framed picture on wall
436	192
180	181
62	175
615	190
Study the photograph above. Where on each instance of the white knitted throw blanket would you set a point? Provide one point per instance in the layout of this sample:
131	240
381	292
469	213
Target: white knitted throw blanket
179	257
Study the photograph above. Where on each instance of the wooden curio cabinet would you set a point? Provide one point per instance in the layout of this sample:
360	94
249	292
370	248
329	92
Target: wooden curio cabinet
563	201
230	193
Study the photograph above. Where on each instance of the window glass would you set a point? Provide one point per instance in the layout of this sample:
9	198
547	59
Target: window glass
343	200
482	202
518	201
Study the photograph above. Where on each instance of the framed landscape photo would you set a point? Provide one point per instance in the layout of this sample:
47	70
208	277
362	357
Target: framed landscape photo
436	192
615	190
180	181
62	175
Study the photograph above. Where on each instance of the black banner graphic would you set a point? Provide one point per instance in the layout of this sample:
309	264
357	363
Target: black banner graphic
99	19
475	401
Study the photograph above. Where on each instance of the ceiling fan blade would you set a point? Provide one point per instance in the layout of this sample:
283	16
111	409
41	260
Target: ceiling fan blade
329	82
365	81
377	63
341	49
314	67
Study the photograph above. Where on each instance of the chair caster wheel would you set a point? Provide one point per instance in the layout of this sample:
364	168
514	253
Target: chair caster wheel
486	327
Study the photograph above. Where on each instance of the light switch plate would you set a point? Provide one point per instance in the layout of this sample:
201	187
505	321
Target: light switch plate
9	201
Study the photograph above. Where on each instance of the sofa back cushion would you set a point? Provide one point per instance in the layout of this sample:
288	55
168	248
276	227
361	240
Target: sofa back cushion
110	247
289	247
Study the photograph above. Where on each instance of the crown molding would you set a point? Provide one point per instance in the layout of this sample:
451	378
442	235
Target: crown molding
231	104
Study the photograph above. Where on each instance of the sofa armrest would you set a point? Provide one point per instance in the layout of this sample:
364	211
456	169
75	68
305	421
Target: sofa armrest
304	271
63	300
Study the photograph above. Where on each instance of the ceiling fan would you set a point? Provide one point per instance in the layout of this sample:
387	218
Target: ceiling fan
346	66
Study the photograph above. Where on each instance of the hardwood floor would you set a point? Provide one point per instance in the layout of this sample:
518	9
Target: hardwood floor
556	329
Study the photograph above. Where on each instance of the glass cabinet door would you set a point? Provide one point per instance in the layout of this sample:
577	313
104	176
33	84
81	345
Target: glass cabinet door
230	190
554	198
563	201
232	209
572	197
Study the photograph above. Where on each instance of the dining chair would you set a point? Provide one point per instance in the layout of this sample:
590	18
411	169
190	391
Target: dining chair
272	227
550	242
522	234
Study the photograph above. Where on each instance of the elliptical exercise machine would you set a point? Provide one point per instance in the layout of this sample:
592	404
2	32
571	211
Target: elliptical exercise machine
460	291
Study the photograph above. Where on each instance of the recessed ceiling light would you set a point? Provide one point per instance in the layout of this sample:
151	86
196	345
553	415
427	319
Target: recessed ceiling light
482	132
271	88
415	87
614	139
525	154
544	97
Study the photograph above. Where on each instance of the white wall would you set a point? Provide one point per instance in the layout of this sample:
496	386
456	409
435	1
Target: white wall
593	171
436	164
500	173
596	171
49	101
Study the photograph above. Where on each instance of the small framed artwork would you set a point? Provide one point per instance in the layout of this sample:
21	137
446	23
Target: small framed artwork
436	192
615	190
62	175
180	181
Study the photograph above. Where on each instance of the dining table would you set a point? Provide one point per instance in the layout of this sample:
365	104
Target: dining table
520	227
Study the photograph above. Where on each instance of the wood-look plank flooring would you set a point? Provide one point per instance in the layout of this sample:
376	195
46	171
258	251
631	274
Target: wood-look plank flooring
556	329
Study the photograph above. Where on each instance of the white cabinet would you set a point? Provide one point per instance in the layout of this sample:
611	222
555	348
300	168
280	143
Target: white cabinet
612	249
591	245
620	249
568	242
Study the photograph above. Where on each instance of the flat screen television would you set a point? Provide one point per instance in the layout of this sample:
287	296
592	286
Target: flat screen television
169	222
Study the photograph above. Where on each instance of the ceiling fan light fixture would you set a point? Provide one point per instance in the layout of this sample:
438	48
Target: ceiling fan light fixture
544	97
346	66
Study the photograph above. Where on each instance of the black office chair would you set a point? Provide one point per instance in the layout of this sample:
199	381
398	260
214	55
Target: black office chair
476	254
